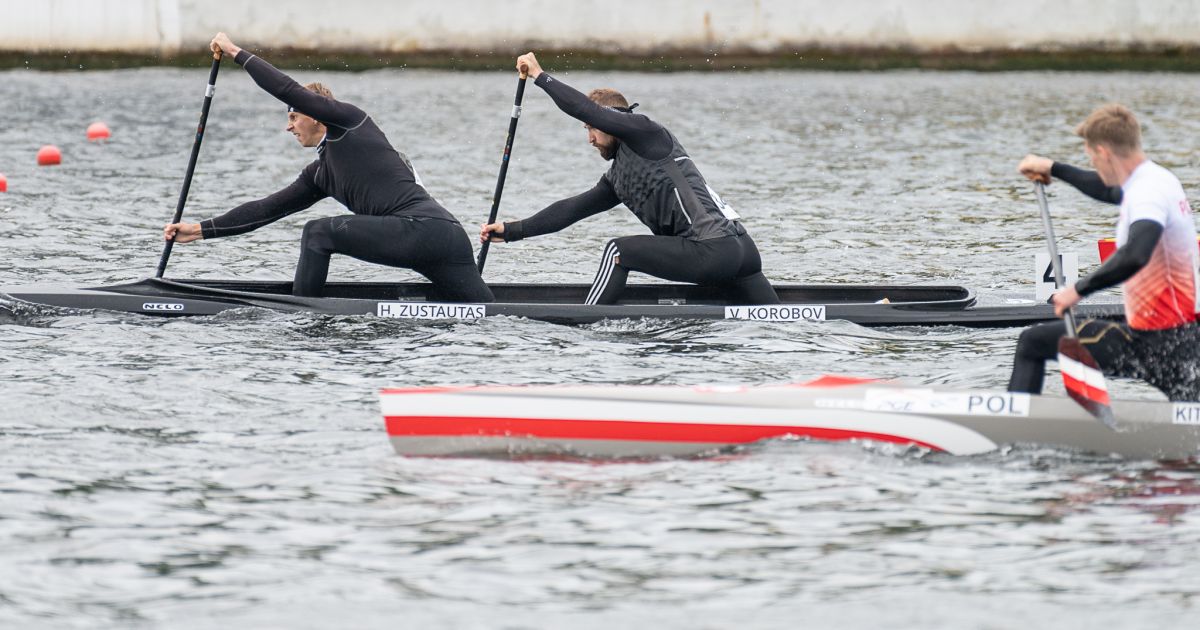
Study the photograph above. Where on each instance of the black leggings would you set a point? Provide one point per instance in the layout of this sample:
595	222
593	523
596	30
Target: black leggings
1167	359
729	262
435	248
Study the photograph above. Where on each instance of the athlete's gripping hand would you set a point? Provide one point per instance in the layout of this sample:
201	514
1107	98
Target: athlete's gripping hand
182	232
491	232
221	43
1064	299
528	64
1036	168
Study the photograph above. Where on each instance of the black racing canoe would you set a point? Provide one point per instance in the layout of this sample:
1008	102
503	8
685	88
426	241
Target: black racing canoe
869	305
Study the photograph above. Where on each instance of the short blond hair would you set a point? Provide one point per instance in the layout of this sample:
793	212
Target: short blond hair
319	88
608	97
1113	126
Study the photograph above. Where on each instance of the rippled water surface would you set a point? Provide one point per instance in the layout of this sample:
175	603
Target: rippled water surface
233	471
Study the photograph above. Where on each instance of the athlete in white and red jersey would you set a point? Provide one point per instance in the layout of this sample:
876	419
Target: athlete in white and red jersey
1156	259
1162	294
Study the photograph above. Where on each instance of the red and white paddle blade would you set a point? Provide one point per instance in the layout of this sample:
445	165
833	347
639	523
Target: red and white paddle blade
1084	381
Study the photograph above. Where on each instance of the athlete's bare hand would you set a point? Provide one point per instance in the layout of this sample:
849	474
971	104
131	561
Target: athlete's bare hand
1065	299
528	64
1036	168
491	232
221	43
182	232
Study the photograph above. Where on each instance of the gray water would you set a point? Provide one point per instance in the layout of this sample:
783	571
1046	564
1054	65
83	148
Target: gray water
233	471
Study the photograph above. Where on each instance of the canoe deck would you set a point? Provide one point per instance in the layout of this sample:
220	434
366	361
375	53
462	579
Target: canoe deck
657	421
929	296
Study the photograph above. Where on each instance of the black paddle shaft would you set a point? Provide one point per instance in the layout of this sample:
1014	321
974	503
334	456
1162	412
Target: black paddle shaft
508	142
191	167
1059	279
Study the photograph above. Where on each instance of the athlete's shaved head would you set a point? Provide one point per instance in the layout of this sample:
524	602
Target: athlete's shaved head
1112	126
608	97
319	88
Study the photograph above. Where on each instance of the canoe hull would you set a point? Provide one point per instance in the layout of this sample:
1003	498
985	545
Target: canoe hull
637	421
868	305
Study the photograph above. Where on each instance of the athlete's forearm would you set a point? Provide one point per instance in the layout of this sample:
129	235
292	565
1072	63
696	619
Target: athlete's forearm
646	137
252	215
1088	182
561	214
1126	261
303	100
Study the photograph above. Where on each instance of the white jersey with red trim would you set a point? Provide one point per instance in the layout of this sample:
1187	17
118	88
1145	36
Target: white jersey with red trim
1163	293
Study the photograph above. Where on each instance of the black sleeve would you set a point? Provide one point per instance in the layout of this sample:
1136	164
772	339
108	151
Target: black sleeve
252	215
560	214
1088	183
303	100
646	137
1126	261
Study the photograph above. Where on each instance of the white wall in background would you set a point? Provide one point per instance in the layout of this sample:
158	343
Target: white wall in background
631	25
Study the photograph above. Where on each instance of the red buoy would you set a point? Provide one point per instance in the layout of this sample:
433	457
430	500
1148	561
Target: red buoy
98	131
3	183
49	155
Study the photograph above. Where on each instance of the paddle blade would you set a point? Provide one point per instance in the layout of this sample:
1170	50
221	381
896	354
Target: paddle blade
1084	381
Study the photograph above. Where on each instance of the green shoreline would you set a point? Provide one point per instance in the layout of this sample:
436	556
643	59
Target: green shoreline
1160	59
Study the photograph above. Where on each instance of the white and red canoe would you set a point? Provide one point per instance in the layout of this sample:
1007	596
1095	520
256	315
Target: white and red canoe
652	421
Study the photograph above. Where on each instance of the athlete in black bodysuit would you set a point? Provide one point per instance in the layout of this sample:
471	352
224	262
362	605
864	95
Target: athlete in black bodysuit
395	221
697	238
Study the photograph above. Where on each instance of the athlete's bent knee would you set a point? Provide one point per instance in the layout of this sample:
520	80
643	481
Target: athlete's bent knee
1026	342
1040	341
613	249
317	235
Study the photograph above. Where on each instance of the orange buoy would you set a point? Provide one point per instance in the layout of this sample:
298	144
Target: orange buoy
49	155
3	183
98	131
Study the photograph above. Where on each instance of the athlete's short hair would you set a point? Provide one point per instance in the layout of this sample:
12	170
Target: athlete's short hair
1113	126
319	88
608	97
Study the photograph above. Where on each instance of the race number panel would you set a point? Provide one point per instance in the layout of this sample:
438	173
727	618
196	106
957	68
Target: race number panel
1043	273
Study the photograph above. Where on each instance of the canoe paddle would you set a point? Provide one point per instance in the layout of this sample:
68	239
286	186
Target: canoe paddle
191	167
508	142
1081	374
